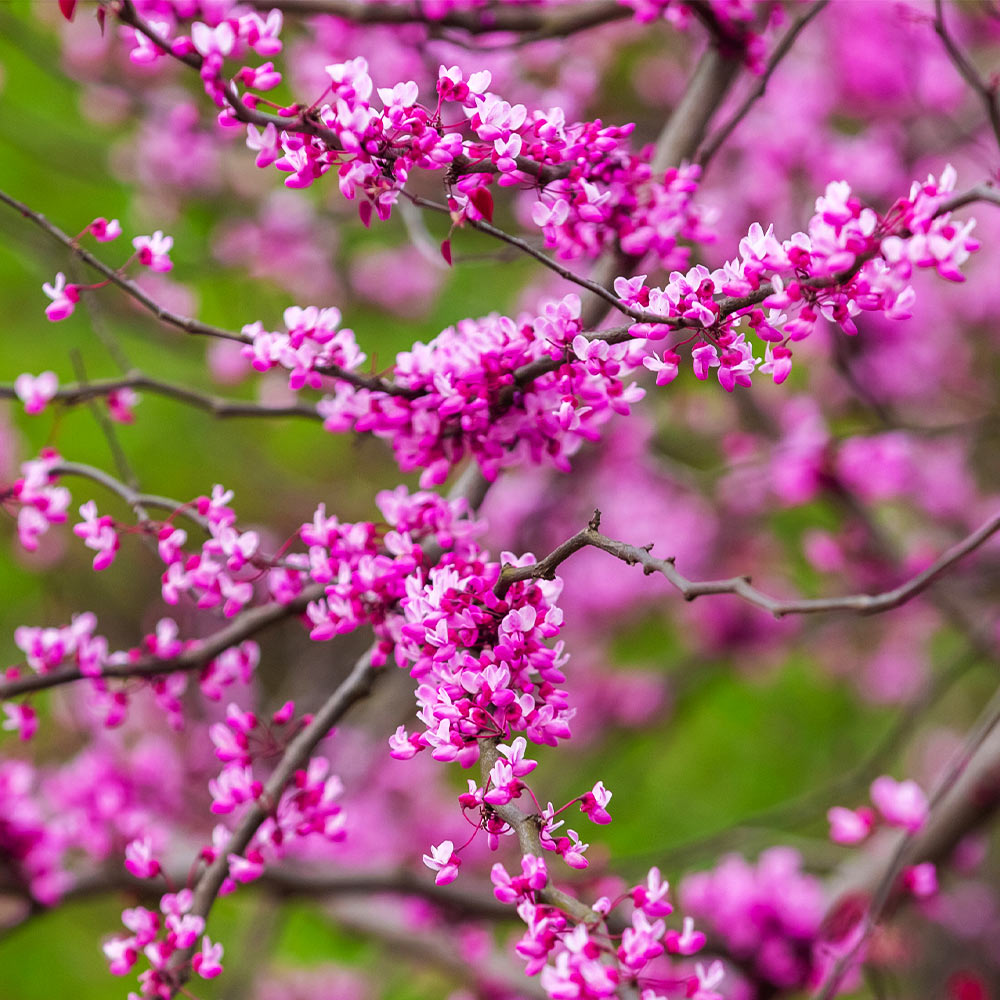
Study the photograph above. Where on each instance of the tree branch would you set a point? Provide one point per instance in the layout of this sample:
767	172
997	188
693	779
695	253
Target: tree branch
710	147
740	586
987	92
217	406
356	686
243	627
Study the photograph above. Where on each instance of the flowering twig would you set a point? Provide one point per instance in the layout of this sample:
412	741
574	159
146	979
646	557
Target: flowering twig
116	278
194	658
218	406
356	686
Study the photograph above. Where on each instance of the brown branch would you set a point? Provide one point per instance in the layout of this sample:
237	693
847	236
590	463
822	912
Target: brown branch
306	122
129	287
987	92
711	146
356	686
740	586
218	406
962	798
243	627
188	325
536	24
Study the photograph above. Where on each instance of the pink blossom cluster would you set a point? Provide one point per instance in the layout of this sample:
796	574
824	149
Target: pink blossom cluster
766	915
158	938
42	502
482	662
222	573
150	251
308	807
312	345
577	962
77	645
86	809
603	192
459	395
619	200
850	260
901	804
29	844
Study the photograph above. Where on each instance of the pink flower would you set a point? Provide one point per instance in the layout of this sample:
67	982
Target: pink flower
104	231
21	719
64	298
444	861
848	826
98	533
594	803
208	962
921	880
686	941
120	404
902	803
153	251
139	859
35	392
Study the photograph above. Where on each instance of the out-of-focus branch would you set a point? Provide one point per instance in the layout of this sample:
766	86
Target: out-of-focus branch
243	627
534	24
987	91
356	686
740	586
711	146
965	796
287	883
217	406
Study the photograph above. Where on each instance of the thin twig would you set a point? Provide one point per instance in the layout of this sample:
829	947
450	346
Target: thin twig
218	406
987	91
711	146
907	849
740	586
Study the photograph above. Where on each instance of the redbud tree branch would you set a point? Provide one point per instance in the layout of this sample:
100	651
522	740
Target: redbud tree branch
356	686
116	278
940	833
987	91
535	24
711	146
740	586
217	406
242	627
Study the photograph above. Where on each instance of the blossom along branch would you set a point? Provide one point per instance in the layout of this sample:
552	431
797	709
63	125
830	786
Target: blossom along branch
356	686
911	849
195	657
740	586
217	406
116	278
